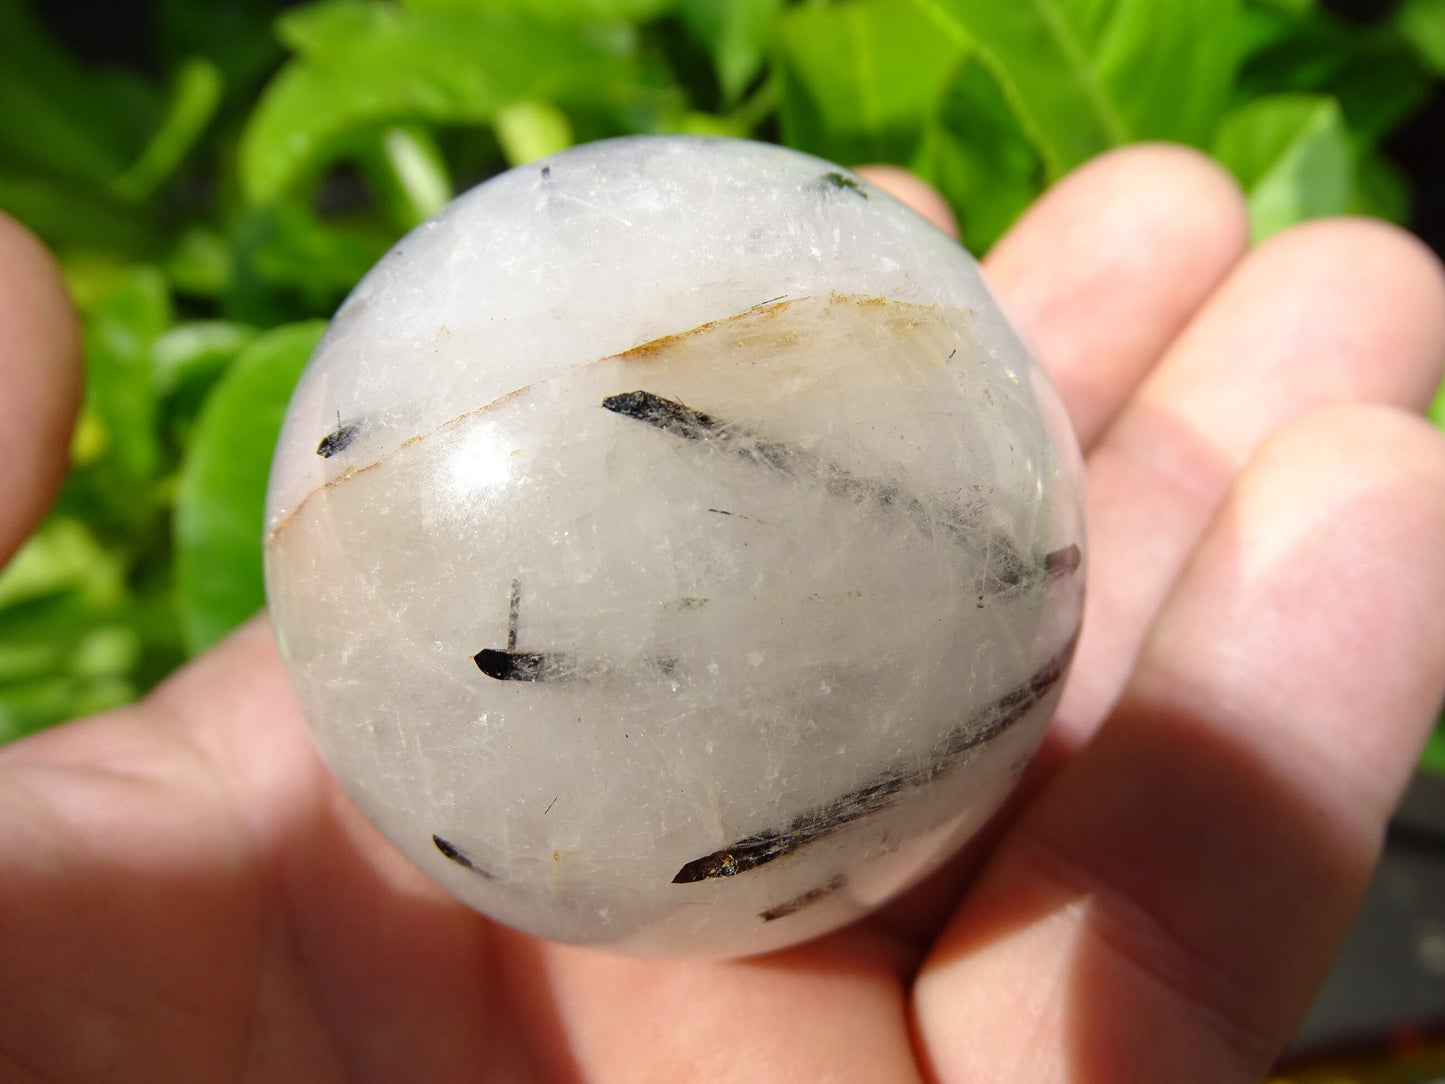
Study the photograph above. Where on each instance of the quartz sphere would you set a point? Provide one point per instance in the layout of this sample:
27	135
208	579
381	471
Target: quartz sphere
673	549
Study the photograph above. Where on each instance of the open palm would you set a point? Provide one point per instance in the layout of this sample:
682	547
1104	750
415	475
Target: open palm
185	895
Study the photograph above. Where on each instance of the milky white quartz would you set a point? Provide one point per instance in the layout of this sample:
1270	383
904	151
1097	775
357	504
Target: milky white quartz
673	549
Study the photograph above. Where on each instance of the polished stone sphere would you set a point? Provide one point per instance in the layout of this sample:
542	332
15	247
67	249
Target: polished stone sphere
673	549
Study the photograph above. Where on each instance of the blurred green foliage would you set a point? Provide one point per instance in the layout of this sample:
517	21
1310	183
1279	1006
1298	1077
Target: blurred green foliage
209	217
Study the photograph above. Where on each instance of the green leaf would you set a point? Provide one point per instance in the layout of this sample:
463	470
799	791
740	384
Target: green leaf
60	118
200	262
327	26
27	705
736	34
363	66
193	102
220	498
121	326
409	174
1434	757
197	350
1086	75
234	35
1422	23
61	557
979	157
531	130
1436	413
75	214
631	11
1294	8
1264	26
63	641
1373	73
1292	155
63	634
860	79
290	264
1377	93
1382	188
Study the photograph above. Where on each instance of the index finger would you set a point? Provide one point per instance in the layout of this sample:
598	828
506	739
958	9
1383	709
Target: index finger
1107	267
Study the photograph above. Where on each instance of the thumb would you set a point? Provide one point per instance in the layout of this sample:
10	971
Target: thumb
40	381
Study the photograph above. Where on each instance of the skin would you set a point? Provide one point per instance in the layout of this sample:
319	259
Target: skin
184	894
41	376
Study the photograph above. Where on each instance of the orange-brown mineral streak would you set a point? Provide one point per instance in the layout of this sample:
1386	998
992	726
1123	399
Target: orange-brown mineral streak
768	310
760	321
352	472
903	316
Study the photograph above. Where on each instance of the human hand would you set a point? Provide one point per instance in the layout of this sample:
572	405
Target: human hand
185	894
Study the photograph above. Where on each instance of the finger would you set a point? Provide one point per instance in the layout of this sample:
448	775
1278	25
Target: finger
1331	312
40	371
1166	908
130	906
912	190
1103	271
832	1010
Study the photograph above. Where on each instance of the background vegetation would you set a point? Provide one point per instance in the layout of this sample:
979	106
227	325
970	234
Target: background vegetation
215	194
